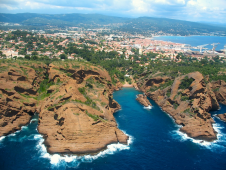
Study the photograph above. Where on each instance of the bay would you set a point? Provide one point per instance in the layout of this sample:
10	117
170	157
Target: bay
195	40
155	143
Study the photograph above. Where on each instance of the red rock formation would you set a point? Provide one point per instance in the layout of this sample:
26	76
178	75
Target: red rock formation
142	99
219	87
190	106
222	116
75	112
79	121
18	86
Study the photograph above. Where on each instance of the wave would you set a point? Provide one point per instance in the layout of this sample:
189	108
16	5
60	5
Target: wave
57	159
216	145
33	120
2	137
149	107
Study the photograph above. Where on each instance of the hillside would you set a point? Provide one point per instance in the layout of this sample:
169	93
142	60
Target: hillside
143	25
171	26
60	19
188	99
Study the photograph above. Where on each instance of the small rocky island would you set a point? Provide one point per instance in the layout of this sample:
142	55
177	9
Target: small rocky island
142	99
222	117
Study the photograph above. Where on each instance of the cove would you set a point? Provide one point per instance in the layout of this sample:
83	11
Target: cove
156	144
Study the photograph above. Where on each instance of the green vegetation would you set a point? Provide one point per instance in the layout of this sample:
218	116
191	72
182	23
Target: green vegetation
128	80
215	90
103	104
44	85
188	112
185	83
88	101
94	117
168	93
175	105
184	98
162	86
3	68
145	25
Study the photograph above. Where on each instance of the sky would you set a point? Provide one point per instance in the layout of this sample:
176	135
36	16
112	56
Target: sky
190	10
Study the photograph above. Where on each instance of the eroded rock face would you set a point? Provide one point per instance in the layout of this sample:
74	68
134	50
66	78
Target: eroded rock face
219	88
18	86
74	103
222	116
188	104
142	99
78	115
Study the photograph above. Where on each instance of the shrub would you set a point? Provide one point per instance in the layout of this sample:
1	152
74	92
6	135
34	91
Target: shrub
184	98
82	90
185	83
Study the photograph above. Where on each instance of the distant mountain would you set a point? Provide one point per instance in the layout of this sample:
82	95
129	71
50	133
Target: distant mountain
60	19
133	25
214	24
171	26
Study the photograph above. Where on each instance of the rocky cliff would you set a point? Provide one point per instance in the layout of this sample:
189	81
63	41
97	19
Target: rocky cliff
74	102
219	88
19	84
188	99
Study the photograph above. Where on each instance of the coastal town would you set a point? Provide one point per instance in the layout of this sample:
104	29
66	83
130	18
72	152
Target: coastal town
114	85
54	44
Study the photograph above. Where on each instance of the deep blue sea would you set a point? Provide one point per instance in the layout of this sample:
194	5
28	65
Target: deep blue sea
155	143
195	40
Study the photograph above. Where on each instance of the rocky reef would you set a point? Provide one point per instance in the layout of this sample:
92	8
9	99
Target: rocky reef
188	99
74	102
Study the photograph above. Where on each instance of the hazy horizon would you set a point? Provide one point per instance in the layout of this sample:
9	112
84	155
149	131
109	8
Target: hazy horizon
189	10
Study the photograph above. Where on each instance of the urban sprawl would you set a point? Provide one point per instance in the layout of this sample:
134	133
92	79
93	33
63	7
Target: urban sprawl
38	43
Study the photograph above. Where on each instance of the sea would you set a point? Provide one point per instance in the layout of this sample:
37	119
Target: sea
195	41
155	142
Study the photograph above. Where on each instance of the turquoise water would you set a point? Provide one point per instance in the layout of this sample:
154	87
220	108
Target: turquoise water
196	40
155	143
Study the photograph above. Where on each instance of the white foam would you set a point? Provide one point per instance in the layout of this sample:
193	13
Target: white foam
185	137
2	137
57	159
33	120
149	107
24	127
37	136
216	144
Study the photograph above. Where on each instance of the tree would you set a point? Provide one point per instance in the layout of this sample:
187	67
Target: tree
34	53
27	57
34	57
63	56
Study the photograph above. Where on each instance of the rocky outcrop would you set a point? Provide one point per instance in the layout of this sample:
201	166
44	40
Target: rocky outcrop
142	99
219	88
74	102
78	115
188	100
18	88
222	116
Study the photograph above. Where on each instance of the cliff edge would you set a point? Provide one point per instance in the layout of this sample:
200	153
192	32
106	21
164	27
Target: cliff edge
188	99
74	102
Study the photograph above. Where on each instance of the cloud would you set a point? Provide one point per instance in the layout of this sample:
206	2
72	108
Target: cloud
195	10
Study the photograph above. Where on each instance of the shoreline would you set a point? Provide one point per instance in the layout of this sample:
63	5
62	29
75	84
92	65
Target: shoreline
127	85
